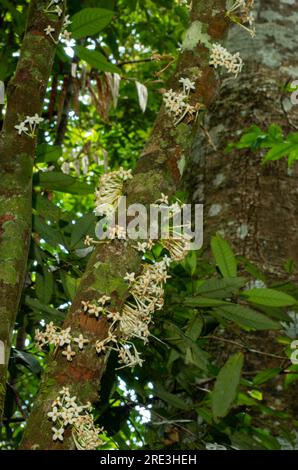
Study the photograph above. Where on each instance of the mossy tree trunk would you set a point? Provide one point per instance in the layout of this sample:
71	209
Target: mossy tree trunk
157	171
25	96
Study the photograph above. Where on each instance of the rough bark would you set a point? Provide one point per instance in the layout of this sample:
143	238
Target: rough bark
253	206
25	97
157	171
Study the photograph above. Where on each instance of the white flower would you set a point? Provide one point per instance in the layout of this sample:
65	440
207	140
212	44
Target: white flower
164	199
130	277
221	57
81	341
67	21
85	305
54	414
104	299
49	30
58	434
64	337
187	84
142	247
70	401
66	35
88	241
21	128
69	353
167	260
58	10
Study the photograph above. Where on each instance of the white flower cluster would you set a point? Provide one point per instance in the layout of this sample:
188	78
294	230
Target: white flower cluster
221	57
110	189
96	310
146	295
58	337
177	103
28	126
243	8
67	412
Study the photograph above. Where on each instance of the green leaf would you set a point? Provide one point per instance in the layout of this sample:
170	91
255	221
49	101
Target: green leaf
269	297
246	317
170	398
47	232
203	302
287	148
96	60
220	288
224	256
194	327
265	375
48	153
80	229
69	283
28	360
42	311
58	181
226	386
89	21
44	286
183	342
46	208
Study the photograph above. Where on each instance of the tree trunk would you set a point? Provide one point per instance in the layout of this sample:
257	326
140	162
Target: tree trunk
25	97
254	206
157	171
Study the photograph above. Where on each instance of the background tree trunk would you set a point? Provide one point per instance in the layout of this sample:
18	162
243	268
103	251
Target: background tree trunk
255	207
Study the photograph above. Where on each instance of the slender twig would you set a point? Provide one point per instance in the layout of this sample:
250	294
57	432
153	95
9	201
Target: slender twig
242	346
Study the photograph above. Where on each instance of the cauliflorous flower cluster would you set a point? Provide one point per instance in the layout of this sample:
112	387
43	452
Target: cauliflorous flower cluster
28	126
62	338
221	57
96	310
110	190
240	13
146	296
67	412
177	103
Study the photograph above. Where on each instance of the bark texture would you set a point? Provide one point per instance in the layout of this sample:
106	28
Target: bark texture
157	171
254	206
25	97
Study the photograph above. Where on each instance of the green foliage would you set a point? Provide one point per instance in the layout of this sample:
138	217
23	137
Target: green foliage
279	146
226	386
96	59
89	21
192	389
224	256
